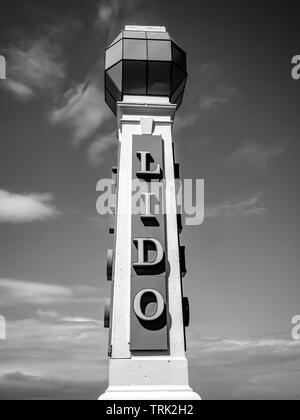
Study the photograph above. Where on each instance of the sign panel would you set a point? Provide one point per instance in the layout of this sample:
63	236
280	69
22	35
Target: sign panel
149	297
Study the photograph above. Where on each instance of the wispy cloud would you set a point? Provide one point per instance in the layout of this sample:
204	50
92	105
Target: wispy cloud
56	316
217	94
107	12
212	102
25	208
55	349
267	345
110	10
253	154
211	93
35	67
84	111
207	74
19	89
16	292
263	368
185	121
252	206
19	386
96	151
37	64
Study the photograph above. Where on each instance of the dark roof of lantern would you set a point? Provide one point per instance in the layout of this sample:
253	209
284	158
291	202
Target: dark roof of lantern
144	62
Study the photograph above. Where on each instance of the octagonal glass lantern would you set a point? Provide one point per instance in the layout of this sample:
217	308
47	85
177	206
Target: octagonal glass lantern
144	61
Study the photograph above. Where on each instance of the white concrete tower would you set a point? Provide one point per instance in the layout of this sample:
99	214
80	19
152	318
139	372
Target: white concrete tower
145	80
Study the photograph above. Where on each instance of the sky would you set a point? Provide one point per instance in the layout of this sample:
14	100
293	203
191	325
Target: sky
238	129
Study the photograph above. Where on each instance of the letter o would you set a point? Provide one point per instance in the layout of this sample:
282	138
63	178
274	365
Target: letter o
138	302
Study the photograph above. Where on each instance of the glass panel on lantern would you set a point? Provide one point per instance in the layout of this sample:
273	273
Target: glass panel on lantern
134	34
159	78
179	91
116	40
179	57
178	101
110	85
158	35
113	55
135	49
177	77
159	50
135	73
111	102
115	73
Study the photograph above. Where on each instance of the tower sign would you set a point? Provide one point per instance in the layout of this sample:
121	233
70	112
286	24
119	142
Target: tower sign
145	76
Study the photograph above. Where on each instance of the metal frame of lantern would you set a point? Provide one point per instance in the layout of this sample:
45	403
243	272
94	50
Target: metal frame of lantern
144	56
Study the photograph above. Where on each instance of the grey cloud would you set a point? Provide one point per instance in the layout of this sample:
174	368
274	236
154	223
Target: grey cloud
97	150
83	110
18	386
252	206
211	93
212	102
110	10
253	154
56	316
208	73
16	292
25	208
36	64
185	121
253	369
57	346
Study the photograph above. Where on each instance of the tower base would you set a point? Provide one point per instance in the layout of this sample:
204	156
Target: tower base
167	380
167	393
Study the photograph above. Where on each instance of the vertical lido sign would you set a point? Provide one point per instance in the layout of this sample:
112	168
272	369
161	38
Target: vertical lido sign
149	297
